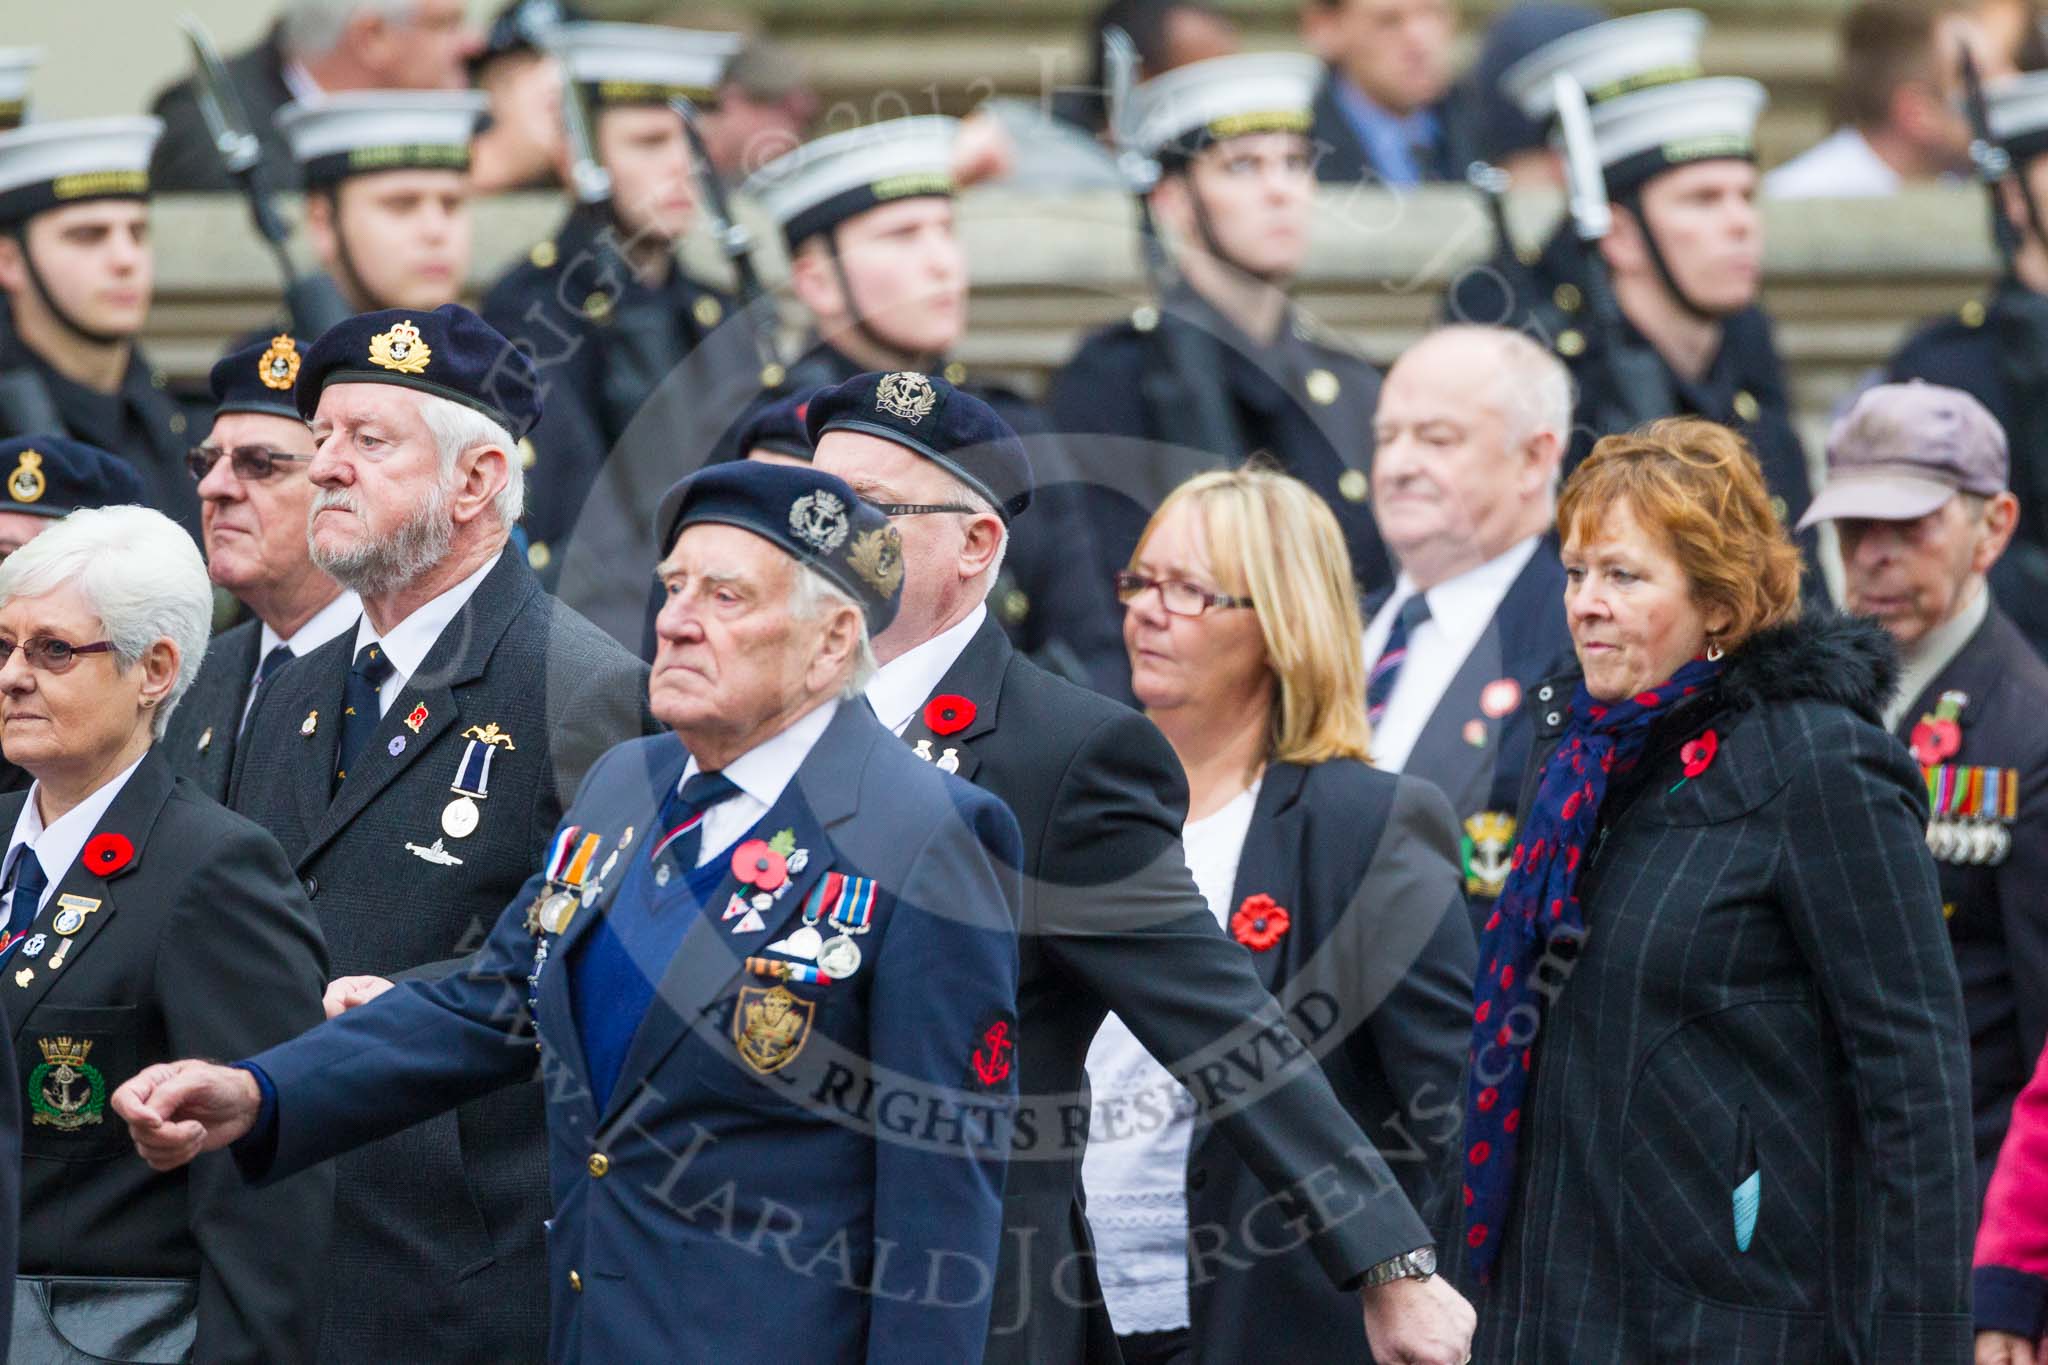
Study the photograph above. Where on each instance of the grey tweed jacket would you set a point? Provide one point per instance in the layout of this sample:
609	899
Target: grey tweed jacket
438	1247
1766	986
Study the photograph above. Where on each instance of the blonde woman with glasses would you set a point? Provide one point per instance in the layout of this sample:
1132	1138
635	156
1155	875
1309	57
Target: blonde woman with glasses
1242	626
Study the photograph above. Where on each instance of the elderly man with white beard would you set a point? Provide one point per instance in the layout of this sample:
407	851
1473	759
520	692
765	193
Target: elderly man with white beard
413	769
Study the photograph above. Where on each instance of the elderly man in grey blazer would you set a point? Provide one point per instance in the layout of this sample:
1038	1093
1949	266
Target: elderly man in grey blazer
413	768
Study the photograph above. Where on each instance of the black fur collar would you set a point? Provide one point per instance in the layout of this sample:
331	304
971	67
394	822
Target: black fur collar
1823	656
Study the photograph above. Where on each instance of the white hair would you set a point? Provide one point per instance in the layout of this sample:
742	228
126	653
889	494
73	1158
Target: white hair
1528	386
458	428
141	574
811	595
312	28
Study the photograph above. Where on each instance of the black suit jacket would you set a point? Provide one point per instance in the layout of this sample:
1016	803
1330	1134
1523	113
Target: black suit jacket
201	946
1525	642
1764	986
185	157
438	1249
199	741
1375	974
1112	920
1997	911
1341	157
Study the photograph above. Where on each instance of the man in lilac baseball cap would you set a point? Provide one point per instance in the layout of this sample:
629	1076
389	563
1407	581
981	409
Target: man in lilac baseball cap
1916	487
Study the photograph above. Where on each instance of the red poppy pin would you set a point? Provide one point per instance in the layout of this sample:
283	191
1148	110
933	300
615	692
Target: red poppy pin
1939	734
1260	922
759	866
1697	755
106	854
947	714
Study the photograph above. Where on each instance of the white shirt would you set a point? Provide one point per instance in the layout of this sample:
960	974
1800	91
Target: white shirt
411	640
1839	166
760	773
1136	1166
1460	609
57	846
1922	664
326	623
906	682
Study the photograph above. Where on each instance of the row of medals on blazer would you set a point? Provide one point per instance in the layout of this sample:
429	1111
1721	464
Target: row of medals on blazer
71	913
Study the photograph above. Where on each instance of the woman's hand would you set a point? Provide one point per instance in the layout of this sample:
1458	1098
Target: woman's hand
2003	1348
344	993
177	1110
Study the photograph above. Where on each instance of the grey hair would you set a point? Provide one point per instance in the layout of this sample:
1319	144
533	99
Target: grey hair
140	573
964	492
312	28
458	428
811	595
1528	386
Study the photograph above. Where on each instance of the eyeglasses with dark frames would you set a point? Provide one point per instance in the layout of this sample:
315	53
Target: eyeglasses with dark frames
1177	595
251	463
48	653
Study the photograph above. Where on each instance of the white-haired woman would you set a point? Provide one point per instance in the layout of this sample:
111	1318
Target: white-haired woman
142	922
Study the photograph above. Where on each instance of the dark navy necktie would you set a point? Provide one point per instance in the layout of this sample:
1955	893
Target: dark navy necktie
360	710
277	658
29	883
1379	686
682	823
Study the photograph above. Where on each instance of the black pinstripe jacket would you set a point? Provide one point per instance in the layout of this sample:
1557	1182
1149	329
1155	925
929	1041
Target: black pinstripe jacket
1766	986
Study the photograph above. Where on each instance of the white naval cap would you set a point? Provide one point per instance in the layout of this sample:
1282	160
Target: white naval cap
44	165
821	184
1178	113
2017	110
17	64
1609	59
360	132
644	63
1645	132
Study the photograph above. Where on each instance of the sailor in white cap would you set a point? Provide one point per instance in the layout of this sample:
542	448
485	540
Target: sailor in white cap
1995	347
1684	254
876	261
1221	364
77	271
388	191
604	307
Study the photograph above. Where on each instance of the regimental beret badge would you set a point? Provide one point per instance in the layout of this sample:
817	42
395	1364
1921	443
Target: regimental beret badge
877	556
278	367
26	483
819	521
906	394
401	349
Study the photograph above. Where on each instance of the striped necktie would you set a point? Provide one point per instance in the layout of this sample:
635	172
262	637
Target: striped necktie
1379	686
682	822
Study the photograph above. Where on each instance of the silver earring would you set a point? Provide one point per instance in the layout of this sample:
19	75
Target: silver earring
1714	652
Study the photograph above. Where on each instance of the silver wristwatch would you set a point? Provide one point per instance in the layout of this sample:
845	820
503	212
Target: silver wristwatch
1418	1264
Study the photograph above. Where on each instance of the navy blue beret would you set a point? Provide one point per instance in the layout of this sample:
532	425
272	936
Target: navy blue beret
258	378
954	430
50	476
812	515
779	426
450	352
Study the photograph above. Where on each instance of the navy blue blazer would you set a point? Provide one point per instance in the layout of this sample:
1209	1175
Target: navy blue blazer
1375	973
844	1205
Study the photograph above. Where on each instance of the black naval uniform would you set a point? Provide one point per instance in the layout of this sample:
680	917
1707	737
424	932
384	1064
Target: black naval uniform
1996	350
1302	401
142	424
1744	388
602	341
1989	834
